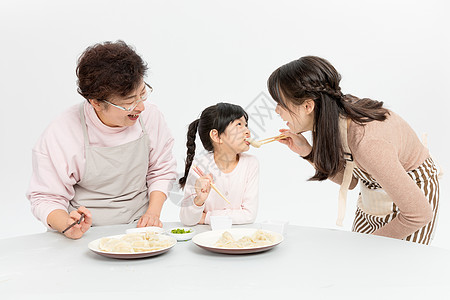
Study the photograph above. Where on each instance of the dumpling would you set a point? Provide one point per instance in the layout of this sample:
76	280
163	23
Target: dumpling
115	245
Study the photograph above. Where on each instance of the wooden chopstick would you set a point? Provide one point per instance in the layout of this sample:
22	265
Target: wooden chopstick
198	171
272	139
201	174
218	192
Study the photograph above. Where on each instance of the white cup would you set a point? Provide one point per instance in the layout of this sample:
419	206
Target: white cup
220	222
275	225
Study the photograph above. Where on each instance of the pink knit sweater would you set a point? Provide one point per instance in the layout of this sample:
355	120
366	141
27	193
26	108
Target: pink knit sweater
387	150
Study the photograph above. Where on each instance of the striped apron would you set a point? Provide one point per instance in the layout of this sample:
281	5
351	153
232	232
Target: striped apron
373	199
375	208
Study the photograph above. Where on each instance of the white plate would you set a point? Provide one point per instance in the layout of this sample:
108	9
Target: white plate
181	236
94	247
206	240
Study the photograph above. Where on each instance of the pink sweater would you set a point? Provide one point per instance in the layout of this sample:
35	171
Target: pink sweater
59	160
240	187
387	150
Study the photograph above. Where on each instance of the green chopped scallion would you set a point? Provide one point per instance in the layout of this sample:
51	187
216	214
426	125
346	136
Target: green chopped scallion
180	231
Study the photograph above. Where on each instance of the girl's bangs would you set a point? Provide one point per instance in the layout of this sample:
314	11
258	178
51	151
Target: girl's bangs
227	114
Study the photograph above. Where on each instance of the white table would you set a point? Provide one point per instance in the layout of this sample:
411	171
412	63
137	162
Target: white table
310	263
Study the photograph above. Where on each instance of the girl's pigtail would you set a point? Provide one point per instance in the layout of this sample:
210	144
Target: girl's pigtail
190	144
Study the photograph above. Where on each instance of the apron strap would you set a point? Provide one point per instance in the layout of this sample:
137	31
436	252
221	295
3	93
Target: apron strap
83	125
425	143
142	125
348	172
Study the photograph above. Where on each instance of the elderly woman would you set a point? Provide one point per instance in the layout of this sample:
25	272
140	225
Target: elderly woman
107	160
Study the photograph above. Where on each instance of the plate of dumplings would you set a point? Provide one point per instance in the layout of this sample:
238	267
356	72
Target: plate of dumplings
238	240
132	245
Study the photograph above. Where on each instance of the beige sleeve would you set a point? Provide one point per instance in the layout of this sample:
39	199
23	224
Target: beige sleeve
380	159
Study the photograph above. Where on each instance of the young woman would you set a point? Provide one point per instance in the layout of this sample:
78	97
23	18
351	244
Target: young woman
110	157
223	131
359	140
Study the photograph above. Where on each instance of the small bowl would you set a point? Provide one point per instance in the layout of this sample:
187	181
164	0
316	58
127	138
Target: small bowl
154	229
182	236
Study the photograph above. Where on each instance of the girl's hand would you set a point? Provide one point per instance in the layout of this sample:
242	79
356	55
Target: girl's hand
78	230
202	188
202	219
296	142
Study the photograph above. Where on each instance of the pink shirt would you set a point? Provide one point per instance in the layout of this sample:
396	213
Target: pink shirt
59	158
240	187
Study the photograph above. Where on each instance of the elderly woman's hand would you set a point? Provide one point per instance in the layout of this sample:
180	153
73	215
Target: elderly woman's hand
78	230
149	219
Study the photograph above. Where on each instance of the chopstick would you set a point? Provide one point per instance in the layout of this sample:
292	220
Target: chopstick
74	223
201	174
278	136
259	143
272	139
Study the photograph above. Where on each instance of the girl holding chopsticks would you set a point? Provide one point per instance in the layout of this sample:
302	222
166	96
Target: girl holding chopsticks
359	140
232	174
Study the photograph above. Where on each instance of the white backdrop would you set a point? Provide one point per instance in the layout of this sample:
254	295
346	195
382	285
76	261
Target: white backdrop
204	52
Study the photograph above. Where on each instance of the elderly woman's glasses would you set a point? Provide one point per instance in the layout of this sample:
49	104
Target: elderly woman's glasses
148	90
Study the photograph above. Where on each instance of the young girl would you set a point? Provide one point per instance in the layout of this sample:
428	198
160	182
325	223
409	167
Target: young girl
223	131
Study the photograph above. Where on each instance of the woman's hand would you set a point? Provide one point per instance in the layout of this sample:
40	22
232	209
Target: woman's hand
78	230
149	219
202	188
151	216
296	142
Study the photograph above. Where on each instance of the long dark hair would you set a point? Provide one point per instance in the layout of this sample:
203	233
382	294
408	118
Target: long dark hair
217	117
312	77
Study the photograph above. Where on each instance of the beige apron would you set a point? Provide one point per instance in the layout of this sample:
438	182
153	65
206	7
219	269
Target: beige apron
348	172
114	184
375	208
